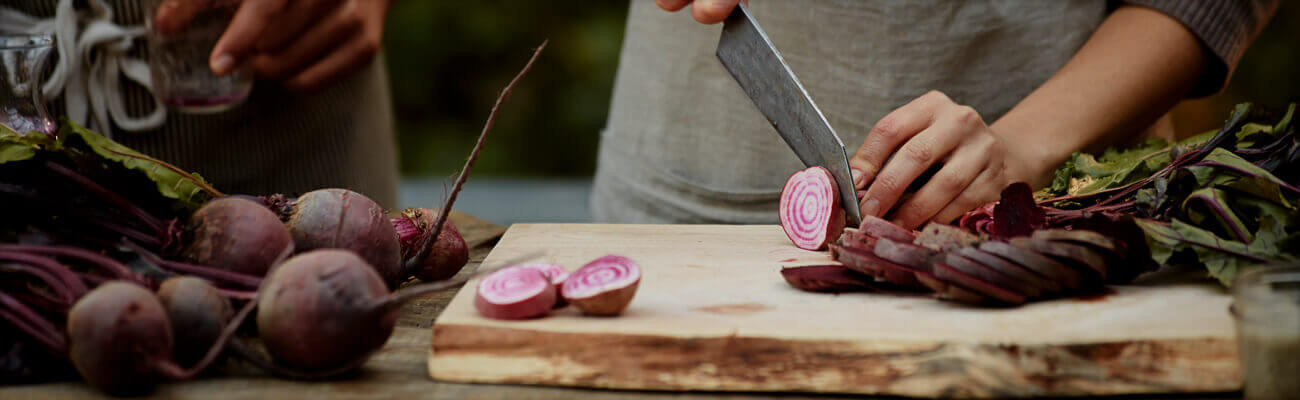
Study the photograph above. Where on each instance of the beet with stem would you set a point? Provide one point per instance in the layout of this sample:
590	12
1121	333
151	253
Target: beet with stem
449	253
235	234
198	313
515	293
603	286
810	209
343	219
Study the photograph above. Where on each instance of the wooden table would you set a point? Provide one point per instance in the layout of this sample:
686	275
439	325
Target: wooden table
398	371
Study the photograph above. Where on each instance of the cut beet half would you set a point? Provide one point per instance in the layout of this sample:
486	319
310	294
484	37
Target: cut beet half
881	228
1012	269
554	273
515	293
1070	253
990	275
906	254
885	270
604	286
810	209
957	278
827	279
1044	265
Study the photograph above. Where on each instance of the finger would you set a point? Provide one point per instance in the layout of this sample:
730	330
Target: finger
299	18
957	173
236	44
672	5
309	48
712	11
892	131
353	55
985	188
913	158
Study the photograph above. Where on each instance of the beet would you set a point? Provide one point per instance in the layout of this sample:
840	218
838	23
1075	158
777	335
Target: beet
449	253
1017	214
885	270
944	290
554	273
1080	236
343	219
235	234
827	278
881	228
955	277
906	254
198	314
515	293
990	276
1070	253
810	209
942	237
1043	265
604	286
1013	270
857	239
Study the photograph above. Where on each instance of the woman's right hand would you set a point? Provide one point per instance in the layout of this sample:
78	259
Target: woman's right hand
705	11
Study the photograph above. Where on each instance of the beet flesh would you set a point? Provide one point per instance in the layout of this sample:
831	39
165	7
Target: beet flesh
1080	236
1015	271
958	278
235	234
810	210
943	237
197	312
884	270
881	228
554	273
343	219
448	255
117	333
515	293
906	254
1075	254
324	310
1007	289
1041	264
604	287
827	279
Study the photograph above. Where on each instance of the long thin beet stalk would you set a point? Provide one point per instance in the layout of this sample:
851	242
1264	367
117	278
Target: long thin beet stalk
108	196
106	263
427	242
33	324
57	286
213	274
71	285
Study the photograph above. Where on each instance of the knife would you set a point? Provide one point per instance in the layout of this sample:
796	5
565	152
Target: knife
753	61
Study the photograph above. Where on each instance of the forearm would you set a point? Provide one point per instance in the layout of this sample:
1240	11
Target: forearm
1135	67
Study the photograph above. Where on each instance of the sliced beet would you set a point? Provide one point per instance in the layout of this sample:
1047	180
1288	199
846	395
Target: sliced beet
943	237
1012	269
827	278
1087	237
947	291
958	278
810	209
1070	253
556	274
857	239
990	275
1017	214
881	228
1039	263
883	269
603	286
515	293
906	254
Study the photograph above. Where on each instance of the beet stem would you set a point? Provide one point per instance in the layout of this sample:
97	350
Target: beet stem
201	271
427	242
61	292
101	261
33	323
123	230
107	195
171	370
71	284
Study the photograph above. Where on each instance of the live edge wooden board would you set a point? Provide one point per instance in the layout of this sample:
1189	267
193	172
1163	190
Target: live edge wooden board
713	313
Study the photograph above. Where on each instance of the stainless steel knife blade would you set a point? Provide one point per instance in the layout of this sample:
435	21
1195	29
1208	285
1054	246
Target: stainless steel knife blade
754	62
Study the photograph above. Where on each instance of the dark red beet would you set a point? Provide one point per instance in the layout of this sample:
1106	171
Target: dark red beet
881	228
827	278
991	276
1043	265
882	269
118	333
955	277
198	314
235	234
449	253
944	290
1017	214
343	219
1090	261
1080	236
810	210
906	254
1016	271
515	293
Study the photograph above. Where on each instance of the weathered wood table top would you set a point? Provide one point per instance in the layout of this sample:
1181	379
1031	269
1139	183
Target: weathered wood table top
398	371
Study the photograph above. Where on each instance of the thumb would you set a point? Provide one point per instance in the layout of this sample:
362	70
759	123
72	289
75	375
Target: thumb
240	38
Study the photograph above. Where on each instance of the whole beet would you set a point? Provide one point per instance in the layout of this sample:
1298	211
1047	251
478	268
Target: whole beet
118	334
323	310
343	219
235	234
198	313
448	255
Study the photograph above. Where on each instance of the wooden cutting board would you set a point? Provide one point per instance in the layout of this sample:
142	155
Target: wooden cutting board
713	313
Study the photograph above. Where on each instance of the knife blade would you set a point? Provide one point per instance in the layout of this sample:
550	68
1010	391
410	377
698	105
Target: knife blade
757	66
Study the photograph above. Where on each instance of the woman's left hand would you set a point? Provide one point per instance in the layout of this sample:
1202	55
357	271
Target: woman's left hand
976	163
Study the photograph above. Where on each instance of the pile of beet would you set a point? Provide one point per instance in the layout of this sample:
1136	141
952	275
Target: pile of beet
1022	261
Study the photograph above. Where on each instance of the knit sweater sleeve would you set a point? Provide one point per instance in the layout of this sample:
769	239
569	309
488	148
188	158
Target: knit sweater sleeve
1225	27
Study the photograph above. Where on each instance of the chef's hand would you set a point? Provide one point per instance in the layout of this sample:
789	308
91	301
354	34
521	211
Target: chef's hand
976	163
705	11
305	44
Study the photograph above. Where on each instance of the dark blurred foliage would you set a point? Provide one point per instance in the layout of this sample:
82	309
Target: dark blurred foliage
448	60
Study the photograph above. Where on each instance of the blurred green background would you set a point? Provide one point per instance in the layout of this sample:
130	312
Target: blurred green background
448	60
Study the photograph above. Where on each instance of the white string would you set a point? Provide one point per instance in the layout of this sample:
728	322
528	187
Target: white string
90	63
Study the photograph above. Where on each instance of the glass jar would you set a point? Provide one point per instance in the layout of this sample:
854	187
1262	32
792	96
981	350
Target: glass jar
22	68
181	36
1266	306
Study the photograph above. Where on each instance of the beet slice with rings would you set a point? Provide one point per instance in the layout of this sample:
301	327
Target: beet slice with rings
604	286
1045	286
810	210
1044	265
554	273
515	293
